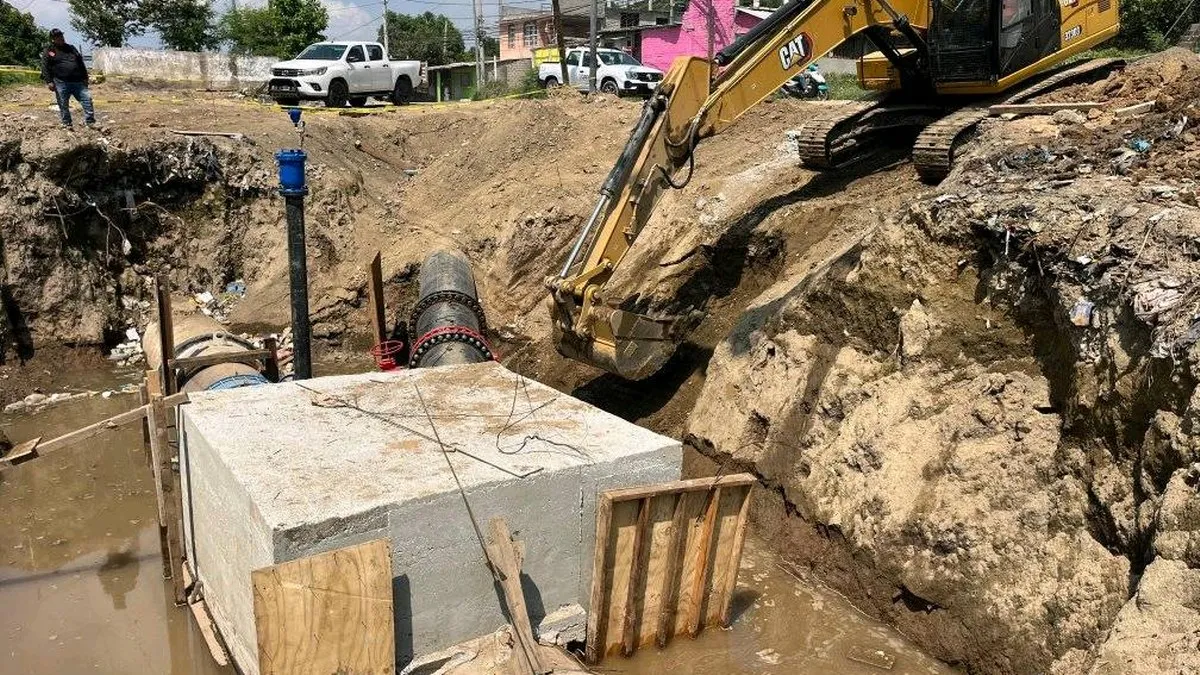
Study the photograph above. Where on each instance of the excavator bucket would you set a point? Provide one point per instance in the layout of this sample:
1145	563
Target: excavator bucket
636	348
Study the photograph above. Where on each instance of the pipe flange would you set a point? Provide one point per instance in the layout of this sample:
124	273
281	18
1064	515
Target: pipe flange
446	334
450	295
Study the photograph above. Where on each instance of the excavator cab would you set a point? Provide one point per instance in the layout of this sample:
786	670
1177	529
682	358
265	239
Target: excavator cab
983	40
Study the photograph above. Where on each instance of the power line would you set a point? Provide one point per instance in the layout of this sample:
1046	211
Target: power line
347	32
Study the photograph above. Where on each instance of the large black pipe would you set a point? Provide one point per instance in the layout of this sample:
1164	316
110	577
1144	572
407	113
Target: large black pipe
447	323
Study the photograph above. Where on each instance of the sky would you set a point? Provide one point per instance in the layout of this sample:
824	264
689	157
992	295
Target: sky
348	19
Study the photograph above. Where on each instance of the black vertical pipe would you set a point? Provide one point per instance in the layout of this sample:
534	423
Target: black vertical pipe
298	269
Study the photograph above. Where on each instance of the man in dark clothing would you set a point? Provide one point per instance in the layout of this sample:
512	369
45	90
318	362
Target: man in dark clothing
65	74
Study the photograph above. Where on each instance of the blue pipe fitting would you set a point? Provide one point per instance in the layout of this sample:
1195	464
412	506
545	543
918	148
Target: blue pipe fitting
291	173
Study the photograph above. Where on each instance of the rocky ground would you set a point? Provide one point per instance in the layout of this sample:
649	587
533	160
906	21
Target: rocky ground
979	415
971	407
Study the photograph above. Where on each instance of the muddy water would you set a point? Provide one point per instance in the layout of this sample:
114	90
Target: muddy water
785	625
81	582
82	590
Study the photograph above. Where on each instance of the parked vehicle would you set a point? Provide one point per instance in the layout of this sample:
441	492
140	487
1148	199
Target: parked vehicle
616	73
808	83
345	72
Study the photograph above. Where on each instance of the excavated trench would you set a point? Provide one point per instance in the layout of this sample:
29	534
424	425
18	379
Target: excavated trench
970	407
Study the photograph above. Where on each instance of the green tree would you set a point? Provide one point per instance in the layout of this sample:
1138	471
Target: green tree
425	37
107	23
185	25
21	41
282	29
1145	23
250	30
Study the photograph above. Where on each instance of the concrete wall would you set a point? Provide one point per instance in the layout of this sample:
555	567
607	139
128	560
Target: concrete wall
209	69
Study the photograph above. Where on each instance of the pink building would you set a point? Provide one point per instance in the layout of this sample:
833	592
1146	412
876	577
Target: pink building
660	45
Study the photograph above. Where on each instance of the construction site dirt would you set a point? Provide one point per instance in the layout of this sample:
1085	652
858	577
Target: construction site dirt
970	407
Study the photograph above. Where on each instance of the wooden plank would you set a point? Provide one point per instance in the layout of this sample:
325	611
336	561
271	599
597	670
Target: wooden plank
143	400
328	613
154	389
166	331
506	565
620	573
636	577
375	298
699	577
739	543
170	507
665	627
721	560
1138	109
252	357
598	603
22	452
675	487
1038	108
204	621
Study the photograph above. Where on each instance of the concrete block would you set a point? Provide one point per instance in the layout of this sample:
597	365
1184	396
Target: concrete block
279	472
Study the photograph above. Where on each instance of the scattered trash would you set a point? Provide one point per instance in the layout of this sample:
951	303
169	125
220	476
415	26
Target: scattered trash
236	287
1140	145
1081	313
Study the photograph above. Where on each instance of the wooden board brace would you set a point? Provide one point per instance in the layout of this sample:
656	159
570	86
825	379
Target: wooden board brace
35	448
505	561
666	561
166	489
208	629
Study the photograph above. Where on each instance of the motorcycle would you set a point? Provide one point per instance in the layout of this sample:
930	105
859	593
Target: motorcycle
809	83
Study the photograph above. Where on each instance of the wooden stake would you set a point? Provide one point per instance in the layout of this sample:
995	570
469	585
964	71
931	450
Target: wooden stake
506	565
674	554
597	607
171	503
636	571
375	298
739	541
700	574
143	401
166	331
154	389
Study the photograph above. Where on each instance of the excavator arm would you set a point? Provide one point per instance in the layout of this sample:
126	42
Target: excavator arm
689	105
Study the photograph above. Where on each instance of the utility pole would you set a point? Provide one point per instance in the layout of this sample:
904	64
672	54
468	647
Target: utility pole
562	43
387	52
711	37
479	69
592	50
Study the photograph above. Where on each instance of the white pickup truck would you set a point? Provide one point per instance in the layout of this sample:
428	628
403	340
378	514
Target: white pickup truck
617	73
344	72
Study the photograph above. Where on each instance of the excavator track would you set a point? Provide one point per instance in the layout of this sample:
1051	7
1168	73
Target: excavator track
841	135
933	151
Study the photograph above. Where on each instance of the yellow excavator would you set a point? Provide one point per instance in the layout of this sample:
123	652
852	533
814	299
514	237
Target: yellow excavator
941	63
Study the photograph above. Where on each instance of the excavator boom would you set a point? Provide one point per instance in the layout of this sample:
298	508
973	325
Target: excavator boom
689	105
1008	42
